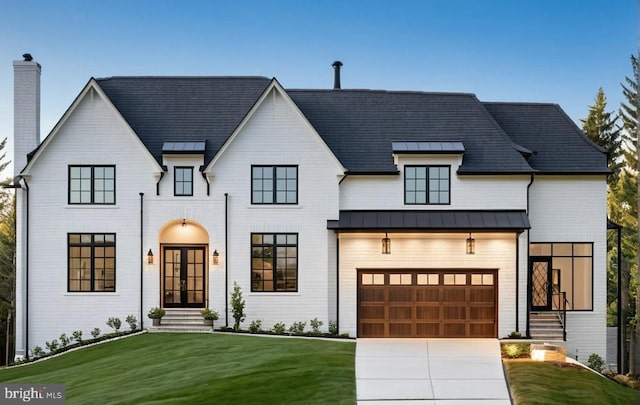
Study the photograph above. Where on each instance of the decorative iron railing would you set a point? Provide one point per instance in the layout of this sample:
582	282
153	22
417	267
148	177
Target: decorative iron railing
559	302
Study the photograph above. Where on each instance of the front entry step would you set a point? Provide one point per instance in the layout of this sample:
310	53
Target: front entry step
182	320
545	326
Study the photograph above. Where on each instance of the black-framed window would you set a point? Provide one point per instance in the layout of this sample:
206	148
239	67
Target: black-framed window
92	262
573	264
274	262
427	185
274	184
92	184
183	181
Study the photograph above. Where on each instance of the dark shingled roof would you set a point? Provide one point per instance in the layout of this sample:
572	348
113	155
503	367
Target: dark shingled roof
387	220
558	145
359	126
169	109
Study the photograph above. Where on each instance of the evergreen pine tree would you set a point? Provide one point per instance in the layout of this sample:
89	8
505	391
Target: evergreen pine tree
600	126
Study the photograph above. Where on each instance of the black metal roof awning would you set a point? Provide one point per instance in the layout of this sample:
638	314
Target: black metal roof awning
431	220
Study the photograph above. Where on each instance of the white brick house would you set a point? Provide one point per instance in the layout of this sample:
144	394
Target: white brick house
404	214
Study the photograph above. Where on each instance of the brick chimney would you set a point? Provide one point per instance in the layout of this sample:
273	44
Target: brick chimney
26	110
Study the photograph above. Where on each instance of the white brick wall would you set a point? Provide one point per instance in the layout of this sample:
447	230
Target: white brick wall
573	209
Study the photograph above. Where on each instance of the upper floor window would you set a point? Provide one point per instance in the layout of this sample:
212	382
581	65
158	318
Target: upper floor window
92	184
427	185
274	262
183	183
92	262
274	184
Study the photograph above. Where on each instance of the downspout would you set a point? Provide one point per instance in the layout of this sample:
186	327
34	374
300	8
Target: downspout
226	260
517	329
337	284
621	339
26	271
141	258
533	176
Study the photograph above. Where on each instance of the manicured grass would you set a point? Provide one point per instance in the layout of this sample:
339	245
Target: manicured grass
201	369
532	382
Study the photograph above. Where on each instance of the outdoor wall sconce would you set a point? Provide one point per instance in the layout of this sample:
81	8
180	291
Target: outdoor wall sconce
150	257
184	222
386	244
215	257
471	245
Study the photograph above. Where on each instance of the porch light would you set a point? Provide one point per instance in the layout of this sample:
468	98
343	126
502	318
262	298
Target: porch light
184	222
471	245
386	244
150	257
215	257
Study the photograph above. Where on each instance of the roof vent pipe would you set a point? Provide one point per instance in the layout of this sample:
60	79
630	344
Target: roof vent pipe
336	76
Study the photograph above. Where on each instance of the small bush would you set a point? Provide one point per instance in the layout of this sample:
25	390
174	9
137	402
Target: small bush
210	314
595	362
156	313
96	332
114	323
132	321
237	306
77	336
279	328
515	350
255	326
333	328
37	352
515	335
64	340
52	346
297	328
315	324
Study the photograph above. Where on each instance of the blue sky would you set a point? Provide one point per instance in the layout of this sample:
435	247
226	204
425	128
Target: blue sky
558	51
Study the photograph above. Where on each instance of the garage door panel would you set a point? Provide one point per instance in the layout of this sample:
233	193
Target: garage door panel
372	312
400	294
427	294
445	303
427	312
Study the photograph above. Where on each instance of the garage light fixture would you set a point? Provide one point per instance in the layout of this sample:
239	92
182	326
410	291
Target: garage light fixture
471	245
386	244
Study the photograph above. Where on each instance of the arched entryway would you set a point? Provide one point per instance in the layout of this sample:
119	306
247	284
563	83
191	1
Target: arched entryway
184	250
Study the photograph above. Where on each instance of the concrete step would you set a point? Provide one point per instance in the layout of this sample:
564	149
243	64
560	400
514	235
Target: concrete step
181	328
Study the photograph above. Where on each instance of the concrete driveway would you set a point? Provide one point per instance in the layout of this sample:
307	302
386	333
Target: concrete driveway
430	371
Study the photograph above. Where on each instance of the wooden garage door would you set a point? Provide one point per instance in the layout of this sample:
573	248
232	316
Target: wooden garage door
429	303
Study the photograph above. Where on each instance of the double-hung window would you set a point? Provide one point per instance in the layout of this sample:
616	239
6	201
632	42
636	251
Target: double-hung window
427	185
274	262
92	184
92	262
274	184
183	183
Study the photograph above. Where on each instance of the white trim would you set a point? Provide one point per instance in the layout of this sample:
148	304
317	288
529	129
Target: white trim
273	86
91	85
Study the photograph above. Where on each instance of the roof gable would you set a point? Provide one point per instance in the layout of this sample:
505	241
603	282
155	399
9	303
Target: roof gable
170	109
91	89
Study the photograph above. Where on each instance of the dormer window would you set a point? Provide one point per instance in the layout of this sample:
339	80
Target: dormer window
183	181
426	185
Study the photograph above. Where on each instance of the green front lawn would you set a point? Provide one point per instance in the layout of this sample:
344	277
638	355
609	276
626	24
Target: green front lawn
532	382
201	369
